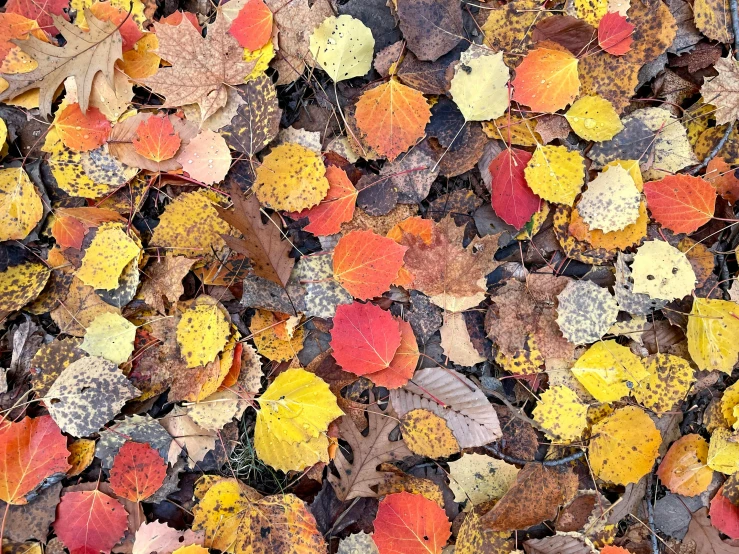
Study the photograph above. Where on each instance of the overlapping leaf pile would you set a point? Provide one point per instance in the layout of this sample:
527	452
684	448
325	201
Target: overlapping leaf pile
365	277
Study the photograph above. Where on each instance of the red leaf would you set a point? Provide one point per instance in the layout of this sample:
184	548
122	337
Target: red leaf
90	522
253	26
724	515
410	524
82	131
365	338
403	364
30	451
156	139
513	200
40	11
336	208
365	263
721	175
68	231
175	19
681	203
130	32
138	471
614	34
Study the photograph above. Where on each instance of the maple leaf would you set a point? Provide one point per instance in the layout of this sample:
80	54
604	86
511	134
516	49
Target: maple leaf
82	57
358	477
681	203
202	68
262	243
89	521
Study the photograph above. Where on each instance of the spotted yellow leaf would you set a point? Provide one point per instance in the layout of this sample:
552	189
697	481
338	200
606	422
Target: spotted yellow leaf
669	381
723	452
202	331
343	46
713	334
611	202
609	371
20	204
105	259
478	478
561	414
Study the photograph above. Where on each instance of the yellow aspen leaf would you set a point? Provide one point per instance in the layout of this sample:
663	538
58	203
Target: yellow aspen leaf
191	549
479	84
609	371
81	455
202	331
291	178
294	414
66	167
669	381
110	336
683	470
561	414
428	434
141	61
392	117
723	452
591	11
136	7
261	58
729	403
513	129
713	334
343	46
478	479
20	284
20	204
105	259
662	272
474	537
594	118
624	446
611	202
555	174
267	341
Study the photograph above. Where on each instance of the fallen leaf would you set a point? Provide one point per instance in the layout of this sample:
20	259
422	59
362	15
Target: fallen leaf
547	79
156	139
20	204
681	203
661	271
555	174
713	334
561	413
477	478
609	371
202	331
614	34
683	469
337	206
165	281
594	118
427	434
611	202
82	131
206	158
138	472
343	47
89	521
410	524
585	312
479	86
431	28
513	200
159	537
724	515
456	342
252	27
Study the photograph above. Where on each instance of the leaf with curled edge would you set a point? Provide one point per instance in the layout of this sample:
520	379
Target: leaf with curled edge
262	242
82	57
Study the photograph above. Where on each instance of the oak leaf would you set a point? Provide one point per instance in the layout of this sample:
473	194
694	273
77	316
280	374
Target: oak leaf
723	90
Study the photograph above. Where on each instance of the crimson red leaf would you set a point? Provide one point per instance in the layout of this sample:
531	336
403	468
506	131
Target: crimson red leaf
403	364
513	200
90	522
614	34
724	515
681	203
365	338
30	451
410	524
138	471
253	26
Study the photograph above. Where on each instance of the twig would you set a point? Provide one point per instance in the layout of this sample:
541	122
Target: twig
493	448
650	510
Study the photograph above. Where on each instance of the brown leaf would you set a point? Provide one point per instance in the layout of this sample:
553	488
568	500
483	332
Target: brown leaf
431	27
262	242
574	34
32	520
165	281
558	544
705	536
552	126
535	497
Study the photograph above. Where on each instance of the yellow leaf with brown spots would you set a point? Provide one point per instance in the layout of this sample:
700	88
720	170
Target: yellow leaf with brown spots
591	11
609	371
669	382
508	29
723	452
20	204
66	167
474	537
513	129
624	446
270	345
80	306
50	360
105	259
713	19
428	434
611	201
562	414
20	284
202	331
476	479
81	454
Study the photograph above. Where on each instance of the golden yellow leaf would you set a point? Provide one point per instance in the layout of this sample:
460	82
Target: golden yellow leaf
713	334
723	452
513	129
609	371
202	331
729	404
66	167
561	414
479	478
479	84
268	343
110	336
261	59
81	455
105	259
20	205
555	174
611	202
591	11
191	549
343	46
137	12
291	178
427	434
141	61
662	272
594	118
624	446
295	412
474	538
670	378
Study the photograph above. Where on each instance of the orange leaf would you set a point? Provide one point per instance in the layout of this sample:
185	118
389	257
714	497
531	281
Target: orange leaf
13	25
40	12
365	263
683	469
614	34
336	208
681	203
403	364
365	338
392	117
156	139
130	32
721	176
68	231
410	524
138	471
30	451
614	550
89	521
547	79
82	131
253	26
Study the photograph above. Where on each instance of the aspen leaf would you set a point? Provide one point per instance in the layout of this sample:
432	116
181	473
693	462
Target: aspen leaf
404	362
89	521
202	331
163	539
456	342
555	174
82	131
713	334
110	336
729	401
252	27
156	139
614	34
661	271
20	204
206	158
21	284
585	312
594	118
291	178
724	515
109	253
141	61
561	413
478	478
669	382
591	11
723	452
343	46
67	169
336	208
427	434
81	455
681	203
609	371
268	343
611	202
683	469
392	117
138	471
547	80
479	85
513	200
624	446
410	524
